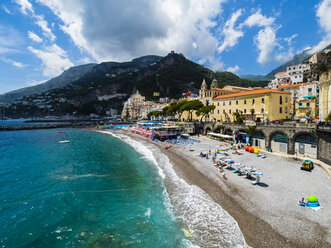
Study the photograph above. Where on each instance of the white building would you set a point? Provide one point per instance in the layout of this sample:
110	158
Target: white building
295	72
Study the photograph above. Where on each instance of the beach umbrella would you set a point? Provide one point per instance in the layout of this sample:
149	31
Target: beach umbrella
312	198
258	173
237	164
201	149
248	168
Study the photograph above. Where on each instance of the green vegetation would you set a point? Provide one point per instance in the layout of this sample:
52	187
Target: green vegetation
191	106
204	111
239	118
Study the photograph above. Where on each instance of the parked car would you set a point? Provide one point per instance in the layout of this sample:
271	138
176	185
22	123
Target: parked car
277	122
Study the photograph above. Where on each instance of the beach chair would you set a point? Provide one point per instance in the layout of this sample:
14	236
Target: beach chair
257	181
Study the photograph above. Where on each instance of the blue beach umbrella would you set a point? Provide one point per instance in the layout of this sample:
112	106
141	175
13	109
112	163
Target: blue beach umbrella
258	173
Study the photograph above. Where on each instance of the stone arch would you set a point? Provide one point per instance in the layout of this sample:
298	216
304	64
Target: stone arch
279	141
279	136
305	143
306	137
259	134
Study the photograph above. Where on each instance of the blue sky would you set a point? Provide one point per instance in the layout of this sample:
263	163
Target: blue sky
41	38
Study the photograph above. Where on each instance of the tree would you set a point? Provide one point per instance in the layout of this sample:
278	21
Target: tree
221	128
175	108
250	130
204	111
239	118
328	117
190	106
155	113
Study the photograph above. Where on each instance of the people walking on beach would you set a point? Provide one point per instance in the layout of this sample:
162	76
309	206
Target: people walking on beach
223	173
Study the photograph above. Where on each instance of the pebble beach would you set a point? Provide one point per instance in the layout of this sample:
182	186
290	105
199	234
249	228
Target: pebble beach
267	213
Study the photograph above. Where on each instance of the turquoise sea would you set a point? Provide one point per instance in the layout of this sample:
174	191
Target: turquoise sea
100	190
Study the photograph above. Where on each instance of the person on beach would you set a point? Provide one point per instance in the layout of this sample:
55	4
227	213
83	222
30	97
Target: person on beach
223	173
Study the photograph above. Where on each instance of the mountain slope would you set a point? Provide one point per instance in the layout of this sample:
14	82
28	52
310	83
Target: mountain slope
66	77
297	59
109	84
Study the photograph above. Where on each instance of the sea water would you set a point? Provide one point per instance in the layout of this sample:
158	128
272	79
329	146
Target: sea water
101	190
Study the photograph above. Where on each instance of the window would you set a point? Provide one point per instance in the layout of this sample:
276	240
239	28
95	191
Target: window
237	111
223	110
280	110
285	109
300	103
280	100
218	104
245	111
262	110
223	103
308	104
237	103
309	90
262	100
253	101
230	111
244	101
285	99
218	111
230	103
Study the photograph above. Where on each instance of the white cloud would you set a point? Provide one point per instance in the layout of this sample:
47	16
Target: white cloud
40	21
257	19
234	69
35	82
324	19
54	60
231	35
13	62
5	9
122	30
34	37
25	5
265	42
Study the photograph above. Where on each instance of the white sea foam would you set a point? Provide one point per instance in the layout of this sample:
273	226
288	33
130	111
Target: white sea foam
148	213
211	225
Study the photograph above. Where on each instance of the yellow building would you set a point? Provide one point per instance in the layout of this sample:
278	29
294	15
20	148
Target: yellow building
305	108
324	94
263	104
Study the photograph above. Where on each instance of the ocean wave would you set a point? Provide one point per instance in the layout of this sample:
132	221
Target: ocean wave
210	224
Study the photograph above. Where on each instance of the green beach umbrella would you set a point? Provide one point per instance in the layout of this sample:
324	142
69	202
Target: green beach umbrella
312	198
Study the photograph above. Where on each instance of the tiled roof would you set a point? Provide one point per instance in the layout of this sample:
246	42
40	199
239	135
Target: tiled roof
291	85
281	72
251	92
219	89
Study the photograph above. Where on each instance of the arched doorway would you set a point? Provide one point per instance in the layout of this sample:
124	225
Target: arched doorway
259	139
306	144
278	142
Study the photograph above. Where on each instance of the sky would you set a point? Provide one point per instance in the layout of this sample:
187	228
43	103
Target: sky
39	39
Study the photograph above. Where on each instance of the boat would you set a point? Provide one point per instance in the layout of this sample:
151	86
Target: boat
64	141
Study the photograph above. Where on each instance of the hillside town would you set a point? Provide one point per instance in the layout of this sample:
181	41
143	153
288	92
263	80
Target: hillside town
295	94
289	116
